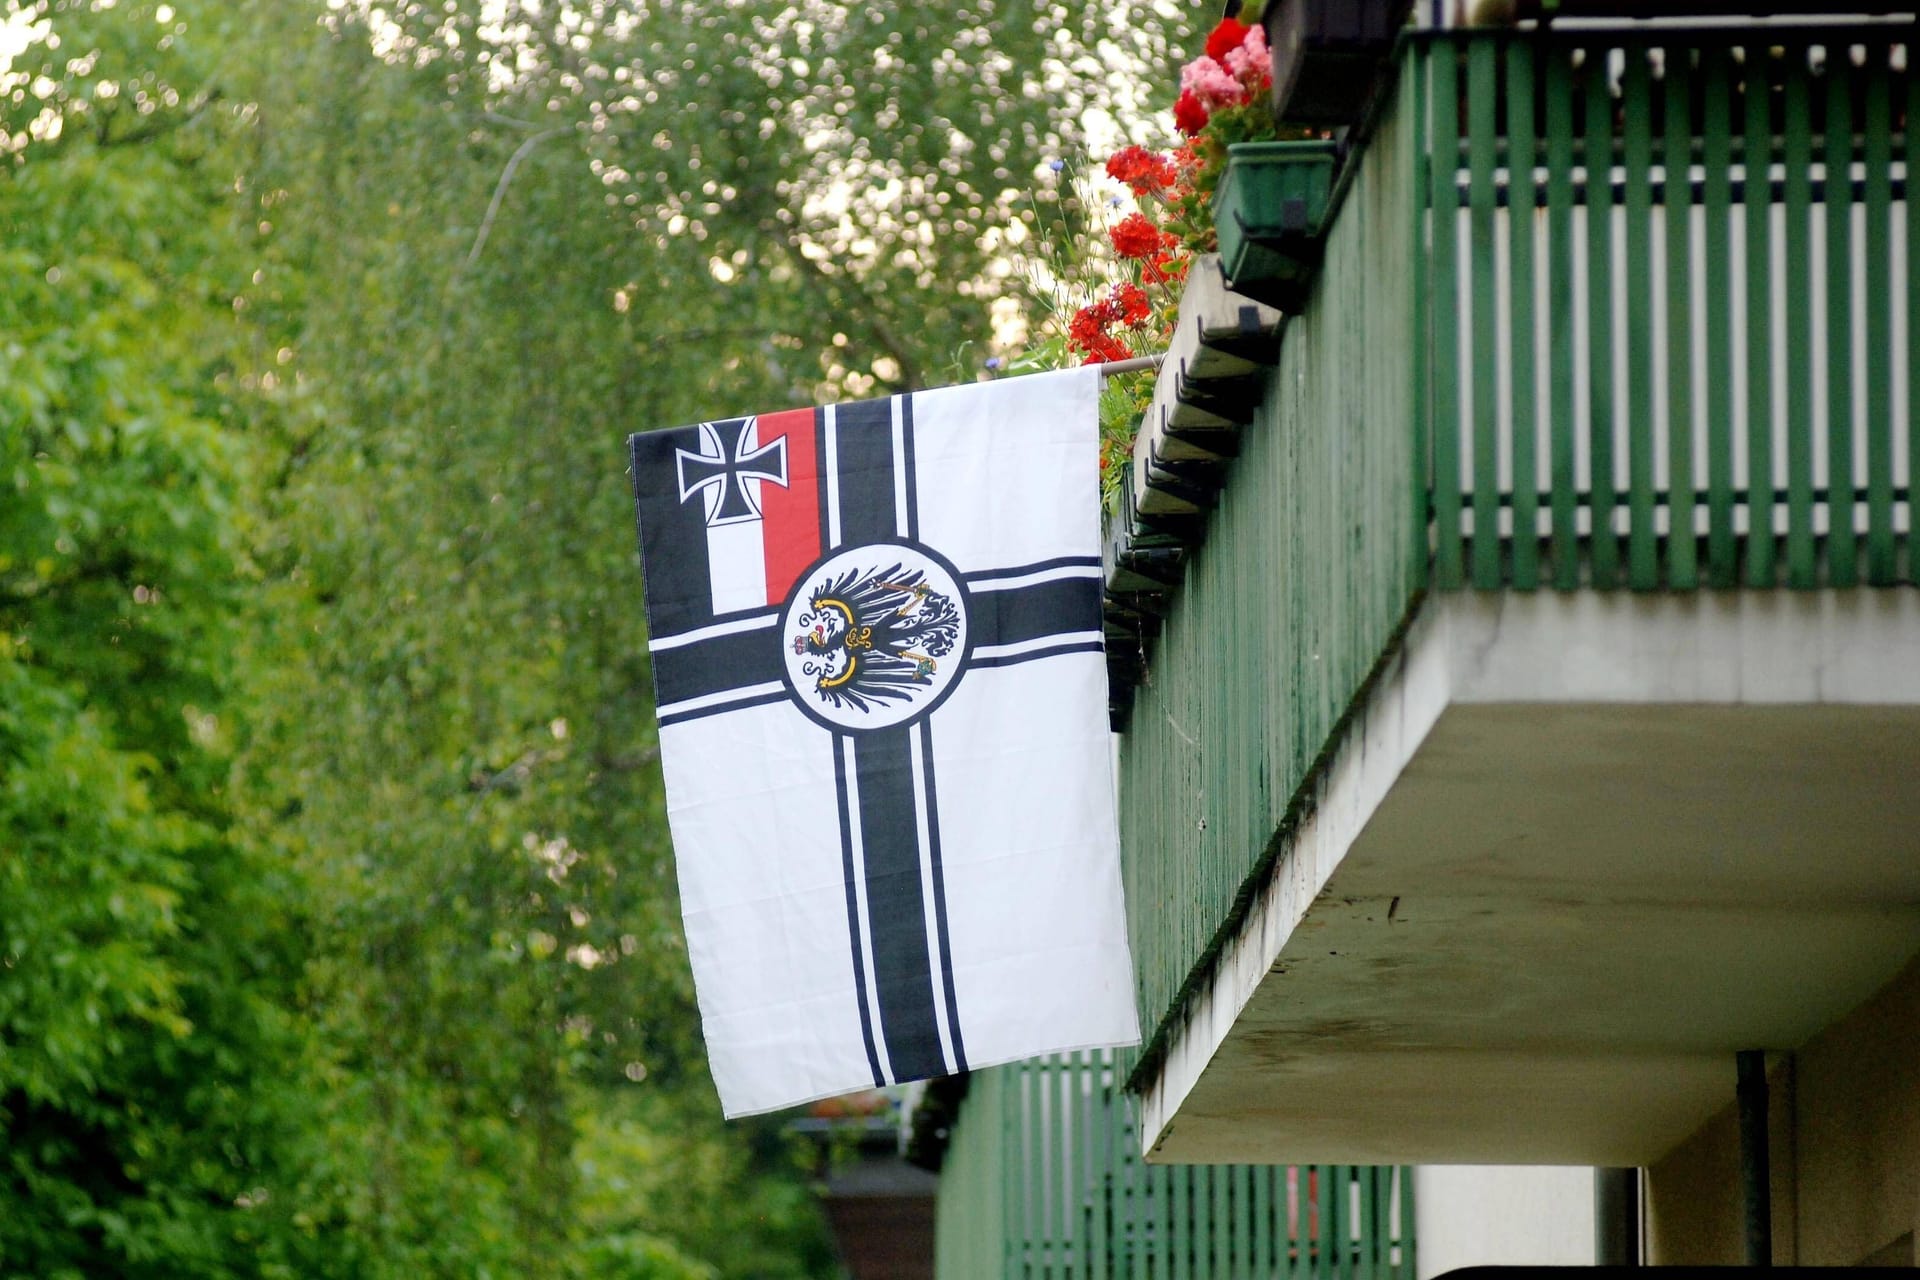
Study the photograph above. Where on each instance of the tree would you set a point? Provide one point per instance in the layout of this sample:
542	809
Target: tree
147	957
338	902
527	253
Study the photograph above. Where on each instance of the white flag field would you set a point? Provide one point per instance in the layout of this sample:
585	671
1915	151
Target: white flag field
875	637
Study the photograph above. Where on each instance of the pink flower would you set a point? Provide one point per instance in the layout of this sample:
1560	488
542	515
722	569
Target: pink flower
1211	84
1252	62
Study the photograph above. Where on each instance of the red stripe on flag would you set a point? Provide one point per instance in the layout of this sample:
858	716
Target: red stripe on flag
790	517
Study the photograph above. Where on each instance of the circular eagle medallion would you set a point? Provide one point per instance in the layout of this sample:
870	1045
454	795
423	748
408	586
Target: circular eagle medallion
875	636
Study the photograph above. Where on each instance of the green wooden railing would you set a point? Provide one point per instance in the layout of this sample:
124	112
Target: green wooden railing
1310	563
1460	405
1664	325
1044	1179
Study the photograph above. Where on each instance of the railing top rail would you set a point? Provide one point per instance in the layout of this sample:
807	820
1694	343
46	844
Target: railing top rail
1887	31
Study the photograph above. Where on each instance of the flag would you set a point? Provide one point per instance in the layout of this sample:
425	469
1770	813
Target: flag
875	638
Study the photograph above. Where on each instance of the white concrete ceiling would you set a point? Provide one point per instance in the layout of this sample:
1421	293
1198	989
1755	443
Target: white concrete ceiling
1549	938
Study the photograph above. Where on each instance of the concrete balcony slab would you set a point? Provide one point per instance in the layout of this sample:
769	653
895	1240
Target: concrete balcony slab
1573	853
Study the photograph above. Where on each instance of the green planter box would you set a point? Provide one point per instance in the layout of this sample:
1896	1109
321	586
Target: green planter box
1268	212
1328	56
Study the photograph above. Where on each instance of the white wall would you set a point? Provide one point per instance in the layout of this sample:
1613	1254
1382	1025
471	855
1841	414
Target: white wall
1843	1131
1476	1215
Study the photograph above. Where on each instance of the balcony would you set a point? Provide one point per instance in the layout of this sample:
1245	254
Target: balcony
1044	1178
1531	721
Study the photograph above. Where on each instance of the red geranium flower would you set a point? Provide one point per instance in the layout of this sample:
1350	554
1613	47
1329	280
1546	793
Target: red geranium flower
1131	299
1087	331
1189	117
1135	237
1226	37
1140	169
1088	324
1165	267
1105	348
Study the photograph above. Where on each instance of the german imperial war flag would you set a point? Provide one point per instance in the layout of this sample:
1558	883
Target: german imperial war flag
876	649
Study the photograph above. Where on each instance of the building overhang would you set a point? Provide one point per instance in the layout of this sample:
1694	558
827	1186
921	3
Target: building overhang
1572	852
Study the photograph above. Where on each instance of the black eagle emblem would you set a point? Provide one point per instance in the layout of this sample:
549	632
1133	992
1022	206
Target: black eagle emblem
874	636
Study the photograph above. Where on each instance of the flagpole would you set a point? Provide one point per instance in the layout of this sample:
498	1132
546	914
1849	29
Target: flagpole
1135	365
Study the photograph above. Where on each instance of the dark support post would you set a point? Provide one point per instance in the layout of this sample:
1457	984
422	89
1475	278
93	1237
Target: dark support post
1616	1217
1755	1177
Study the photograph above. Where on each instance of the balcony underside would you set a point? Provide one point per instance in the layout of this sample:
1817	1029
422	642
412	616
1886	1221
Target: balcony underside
1573	852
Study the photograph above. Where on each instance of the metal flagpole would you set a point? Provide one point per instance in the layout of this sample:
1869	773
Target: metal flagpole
1756	1179
1135	365
1108	368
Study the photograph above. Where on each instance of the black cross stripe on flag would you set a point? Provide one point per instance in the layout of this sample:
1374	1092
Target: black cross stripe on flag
788	571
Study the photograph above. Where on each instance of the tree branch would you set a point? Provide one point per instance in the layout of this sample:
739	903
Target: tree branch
118	567
685	336
911	375
500	193
628	761
163	122
515	775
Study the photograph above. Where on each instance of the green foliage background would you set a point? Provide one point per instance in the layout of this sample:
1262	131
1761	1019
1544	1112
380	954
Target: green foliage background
337	923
